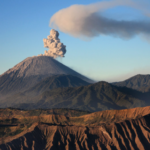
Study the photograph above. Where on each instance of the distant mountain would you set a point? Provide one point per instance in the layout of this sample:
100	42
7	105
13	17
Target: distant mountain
31	71
42	82
94	97
138	82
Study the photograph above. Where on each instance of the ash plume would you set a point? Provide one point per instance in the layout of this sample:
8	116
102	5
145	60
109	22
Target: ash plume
87	21
56	48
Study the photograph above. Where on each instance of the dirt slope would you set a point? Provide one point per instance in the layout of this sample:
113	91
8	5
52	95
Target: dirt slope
56	132
113	116
130	134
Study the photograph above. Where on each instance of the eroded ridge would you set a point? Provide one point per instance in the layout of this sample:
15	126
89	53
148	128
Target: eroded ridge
54	132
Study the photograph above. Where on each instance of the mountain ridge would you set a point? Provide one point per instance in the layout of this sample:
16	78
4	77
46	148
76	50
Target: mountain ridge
100	130
138	82
93	97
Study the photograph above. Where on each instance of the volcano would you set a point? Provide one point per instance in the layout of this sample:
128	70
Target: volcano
31	71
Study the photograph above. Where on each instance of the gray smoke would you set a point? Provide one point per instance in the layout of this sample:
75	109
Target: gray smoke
56	48
85	20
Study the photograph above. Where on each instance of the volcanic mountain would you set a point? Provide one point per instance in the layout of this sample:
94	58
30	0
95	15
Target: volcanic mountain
54	82
31	71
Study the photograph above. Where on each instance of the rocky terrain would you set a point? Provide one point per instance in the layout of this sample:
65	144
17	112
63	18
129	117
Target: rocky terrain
105	130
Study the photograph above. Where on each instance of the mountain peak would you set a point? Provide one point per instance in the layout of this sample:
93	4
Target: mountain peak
31	71
41	65
38	65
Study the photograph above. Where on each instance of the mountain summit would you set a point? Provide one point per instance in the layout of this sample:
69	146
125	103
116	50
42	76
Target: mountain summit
31	71
41	65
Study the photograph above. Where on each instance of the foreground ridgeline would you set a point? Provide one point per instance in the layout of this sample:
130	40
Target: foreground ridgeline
75	130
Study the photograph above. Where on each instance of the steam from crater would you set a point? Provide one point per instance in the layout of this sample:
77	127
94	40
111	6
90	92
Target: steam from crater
56	48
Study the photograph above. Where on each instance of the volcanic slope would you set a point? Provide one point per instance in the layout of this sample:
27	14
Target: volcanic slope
54	82
138	82
30	71
94	97
87	132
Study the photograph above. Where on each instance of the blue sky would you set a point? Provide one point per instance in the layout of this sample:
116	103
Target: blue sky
24	24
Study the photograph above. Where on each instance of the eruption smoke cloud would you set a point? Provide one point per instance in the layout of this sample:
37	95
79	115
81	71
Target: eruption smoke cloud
85	20
56	48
